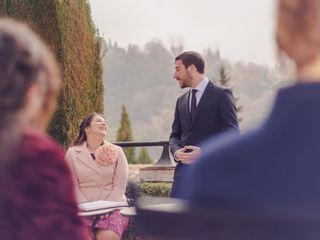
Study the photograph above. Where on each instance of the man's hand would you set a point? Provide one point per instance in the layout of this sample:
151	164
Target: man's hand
188	154
177	154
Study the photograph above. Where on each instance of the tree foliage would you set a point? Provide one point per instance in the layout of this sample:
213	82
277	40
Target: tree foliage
66	26
125	135
224	81
144	157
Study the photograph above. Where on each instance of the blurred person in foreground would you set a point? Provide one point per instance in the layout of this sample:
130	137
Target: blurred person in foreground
37	199
100	172
275	167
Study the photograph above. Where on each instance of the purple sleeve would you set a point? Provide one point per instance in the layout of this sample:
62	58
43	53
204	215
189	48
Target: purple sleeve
42	195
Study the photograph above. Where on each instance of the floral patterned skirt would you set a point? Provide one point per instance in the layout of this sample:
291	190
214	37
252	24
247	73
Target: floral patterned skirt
114	222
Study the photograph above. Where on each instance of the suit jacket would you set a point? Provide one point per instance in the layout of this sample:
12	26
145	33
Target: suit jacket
37	193
215	113
274	167
96	182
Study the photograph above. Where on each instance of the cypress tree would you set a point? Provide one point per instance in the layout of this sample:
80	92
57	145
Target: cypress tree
224	78
144	157
224	82
125	135
66	26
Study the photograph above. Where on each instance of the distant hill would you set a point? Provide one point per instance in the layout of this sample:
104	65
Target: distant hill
141	79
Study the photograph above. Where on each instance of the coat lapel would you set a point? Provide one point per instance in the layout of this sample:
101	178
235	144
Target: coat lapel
84	156
186	107
203	101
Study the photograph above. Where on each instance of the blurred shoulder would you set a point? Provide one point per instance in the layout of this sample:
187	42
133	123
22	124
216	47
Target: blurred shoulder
35	142
232	147
223	159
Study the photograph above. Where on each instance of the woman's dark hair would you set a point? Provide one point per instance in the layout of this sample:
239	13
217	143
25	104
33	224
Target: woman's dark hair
192	58
82	137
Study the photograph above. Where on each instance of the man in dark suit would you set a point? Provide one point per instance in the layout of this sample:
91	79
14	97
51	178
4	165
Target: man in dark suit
200	113
275	168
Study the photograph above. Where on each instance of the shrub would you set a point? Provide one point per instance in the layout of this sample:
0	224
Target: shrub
155	189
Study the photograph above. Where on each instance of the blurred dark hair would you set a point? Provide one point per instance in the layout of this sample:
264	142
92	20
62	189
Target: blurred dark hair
192	58
86	121
25	60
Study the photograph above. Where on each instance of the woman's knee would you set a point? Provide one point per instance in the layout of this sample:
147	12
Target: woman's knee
106	235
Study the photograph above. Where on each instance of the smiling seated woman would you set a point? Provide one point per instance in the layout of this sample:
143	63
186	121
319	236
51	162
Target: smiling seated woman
100	172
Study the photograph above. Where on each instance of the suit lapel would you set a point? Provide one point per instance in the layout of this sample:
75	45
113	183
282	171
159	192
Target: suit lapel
186	107
84	156
203	101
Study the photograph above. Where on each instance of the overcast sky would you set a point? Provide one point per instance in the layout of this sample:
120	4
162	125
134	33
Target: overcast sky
240	29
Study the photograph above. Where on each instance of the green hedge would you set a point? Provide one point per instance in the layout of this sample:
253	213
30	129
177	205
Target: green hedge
66	26
155	189
152	189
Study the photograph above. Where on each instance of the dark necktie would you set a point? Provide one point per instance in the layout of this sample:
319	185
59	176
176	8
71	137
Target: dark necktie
193	104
